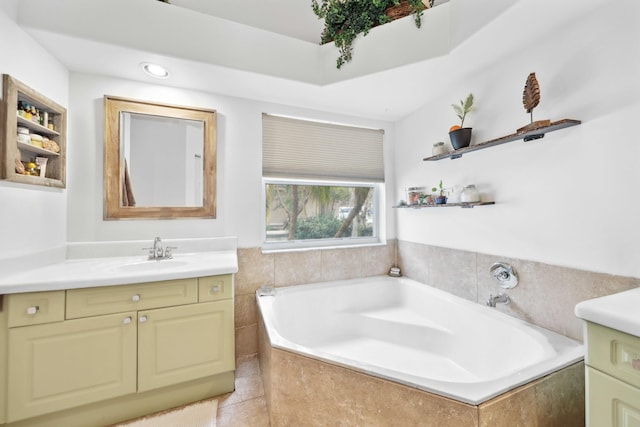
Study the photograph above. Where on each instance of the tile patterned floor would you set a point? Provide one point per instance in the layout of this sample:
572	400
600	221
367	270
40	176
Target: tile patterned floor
246	406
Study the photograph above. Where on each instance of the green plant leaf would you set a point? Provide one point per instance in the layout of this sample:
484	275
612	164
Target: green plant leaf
345	19
468	103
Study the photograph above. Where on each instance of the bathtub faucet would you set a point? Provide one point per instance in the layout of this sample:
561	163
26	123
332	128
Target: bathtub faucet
500	298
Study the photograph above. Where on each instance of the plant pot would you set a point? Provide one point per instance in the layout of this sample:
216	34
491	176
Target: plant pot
441	200
402	9
460	138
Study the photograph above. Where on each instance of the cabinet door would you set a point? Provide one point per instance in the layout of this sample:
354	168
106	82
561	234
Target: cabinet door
611	402
184	343
61	365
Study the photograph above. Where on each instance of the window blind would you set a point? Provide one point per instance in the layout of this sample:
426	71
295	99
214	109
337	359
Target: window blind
301	149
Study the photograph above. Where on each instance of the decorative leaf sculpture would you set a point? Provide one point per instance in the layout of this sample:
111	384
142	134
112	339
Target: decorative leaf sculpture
531	94
530	99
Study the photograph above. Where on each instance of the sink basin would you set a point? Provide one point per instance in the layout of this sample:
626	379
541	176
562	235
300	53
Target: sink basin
152	265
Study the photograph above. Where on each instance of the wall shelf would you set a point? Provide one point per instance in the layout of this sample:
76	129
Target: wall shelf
526	136
446	205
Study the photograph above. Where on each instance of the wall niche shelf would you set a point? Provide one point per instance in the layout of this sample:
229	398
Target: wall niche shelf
446	205
13	151
526	136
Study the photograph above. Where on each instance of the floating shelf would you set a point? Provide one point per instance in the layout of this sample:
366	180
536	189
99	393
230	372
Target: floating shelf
446	205
527	136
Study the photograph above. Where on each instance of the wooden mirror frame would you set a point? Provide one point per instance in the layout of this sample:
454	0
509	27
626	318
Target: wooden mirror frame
114	168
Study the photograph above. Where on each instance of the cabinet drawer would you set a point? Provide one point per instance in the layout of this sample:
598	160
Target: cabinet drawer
213	288
611	402
142	296
614	352
35	308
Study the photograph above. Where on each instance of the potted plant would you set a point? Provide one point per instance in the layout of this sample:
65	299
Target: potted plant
441	199
459	135
345	19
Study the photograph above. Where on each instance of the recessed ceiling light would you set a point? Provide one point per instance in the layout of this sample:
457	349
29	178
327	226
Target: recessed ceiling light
155	70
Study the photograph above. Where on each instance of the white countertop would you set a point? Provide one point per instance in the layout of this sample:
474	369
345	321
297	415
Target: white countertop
619	311
102	266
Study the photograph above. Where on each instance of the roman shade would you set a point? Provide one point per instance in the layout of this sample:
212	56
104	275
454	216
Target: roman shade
301	149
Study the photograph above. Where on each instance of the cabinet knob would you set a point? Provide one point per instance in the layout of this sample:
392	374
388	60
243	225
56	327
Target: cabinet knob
135	298
127	320
215	289
143	319
33	310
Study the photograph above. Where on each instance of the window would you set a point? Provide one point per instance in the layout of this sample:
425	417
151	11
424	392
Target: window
322	183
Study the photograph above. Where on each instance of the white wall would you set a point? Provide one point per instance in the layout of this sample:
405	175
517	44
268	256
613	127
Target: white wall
239	139
569	199
31	217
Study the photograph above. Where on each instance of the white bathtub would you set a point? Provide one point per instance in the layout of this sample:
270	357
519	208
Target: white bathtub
414	334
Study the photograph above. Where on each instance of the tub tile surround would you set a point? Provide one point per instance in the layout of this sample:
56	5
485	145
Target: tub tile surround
546	295
555	400
280	269
303	391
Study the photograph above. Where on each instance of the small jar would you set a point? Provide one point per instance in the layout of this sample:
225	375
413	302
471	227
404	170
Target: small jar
413	195
469	194
439	148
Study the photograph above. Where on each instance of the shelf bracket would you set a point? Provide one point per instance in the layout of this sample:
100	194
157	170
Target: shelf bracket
455	156
533	137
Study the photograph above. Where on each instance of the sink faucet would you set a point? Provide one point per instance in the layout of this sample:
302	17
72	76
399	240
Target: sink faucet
159	252
500	298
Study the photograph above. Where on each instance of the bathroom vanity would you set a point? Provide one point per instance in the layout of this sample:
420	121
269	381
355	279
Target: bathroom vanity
612	336
95	355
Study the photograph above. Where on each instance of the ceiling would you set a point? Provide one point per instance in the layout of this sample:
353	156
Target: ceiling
256	49
293	18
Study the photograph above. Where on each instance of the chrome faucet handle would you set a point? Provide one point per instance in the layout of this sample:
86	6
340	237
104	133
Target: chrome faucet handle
504	274
151	252
168	251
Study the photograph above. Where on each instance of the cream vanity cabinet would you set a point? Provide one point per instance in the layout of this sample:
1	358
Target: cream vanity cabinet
75	347
613	377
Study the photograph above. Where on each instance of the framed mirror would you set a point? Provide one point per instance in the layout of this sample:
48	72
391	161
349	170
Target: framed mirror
159	160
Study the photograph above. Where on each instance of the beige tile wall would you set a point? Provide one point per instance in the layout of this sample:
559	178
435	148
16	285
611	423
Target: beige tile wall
546	295
294	268
304	391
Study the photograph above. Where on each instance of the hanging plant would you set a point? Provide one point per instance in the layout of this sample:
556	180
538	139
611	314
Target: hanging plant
345	19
